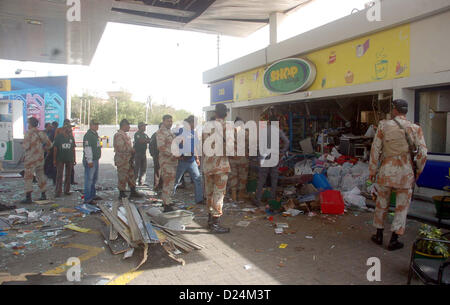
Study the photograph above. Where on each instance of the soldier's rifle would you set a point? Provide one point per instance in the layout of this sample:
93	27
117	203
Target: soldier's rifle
412	149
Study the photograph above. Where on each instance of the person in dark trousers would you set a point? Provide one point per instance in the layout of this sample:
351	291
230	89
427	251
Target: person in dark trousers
59	130
141	141
190	163
91	156
264	171
64	157
49	168
154	152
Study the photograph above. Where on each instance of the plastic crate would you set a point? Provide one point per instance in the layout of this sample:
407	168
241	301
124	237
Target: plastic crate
331	202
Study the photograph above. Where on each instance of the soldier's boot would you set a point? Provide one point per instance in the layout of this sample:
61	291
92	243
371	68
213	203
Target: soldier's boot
27	199
210	220
233	195
43	196
122	194
216	228
378	238
135	194
394	244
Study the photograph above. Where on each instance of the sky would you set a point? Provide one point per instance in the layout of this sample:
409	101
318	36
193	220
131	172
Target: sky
168	64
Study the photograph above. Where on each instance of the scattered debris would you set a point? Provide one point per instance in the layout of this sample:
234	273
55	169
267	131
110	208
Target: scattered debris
87	208
243	223
140	228
282	225
76	228
292	212
128	254
278	230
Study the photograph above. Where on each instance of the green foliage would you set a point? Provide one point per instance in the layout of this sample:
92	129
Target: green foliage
104	111
432	248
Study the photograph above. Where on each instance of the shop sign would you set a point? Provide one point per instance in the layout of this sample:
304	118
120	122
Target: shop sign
289	75
222	92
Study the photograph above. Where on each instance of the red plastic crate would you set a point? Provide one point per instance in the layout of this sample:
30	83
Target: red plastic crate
331	202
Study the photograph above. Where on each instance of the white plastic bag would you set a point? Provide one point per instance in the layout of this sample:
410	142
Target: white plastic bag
370	132
348	183
334	171
360	168
303	168
335	181
293	212
335	153
354	198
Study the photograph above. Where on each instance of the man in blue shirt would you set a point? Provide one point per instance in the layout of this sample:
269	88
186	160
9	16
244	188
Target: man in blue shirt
189	162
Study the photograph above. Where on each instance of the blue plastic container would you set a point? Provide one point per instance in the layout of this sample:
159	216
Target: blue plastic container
435	175
320	182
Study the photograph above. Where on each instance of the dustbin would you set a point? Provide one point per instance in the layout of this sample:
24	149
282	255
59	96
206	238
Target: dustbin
442	205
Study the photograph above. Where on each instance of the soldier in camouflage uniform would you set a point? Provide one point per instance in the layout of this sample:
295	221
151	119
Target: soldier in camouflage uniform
239	167
34	143
216	169
123	159
167	161
395	173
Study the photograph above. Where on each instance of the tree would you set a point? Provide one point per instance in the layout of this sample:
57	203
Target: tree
104	111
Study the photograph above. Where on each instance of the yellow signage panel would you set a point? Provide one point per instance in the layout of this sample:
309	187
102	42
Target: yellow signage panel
5	85
250	85
376	57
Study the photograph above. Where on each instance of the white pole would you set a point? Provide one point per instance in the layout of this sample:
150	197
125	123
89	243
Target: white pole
117	124
85	112
89	112
146	112
81	111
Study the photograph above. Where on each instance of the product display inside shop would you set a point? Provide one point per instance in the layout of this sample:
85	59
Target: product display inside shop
327	163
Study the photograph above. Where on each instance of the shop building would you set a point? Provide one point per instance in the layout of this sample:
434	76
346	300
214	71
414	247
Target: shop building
346	73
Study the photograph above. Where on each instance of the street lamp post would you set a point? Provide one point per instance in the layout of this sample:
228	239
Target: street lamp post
81	112
149	103
117	123
89	111
114	95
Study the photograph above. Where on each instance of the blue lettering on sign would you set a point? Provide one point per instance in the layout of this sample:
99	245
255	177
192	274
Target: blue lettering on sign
222	92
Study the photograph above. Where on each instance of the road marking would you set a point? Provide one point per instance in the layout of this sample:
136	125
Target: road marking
125	278
91	252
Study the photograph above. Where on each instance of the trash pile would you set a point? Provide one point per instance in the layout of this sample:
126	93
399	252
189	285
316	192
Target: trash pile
39	227
132	226
314	182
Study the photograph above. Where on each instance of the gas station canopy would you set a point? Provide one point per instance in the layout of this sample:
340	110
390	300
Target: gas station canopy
38	30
